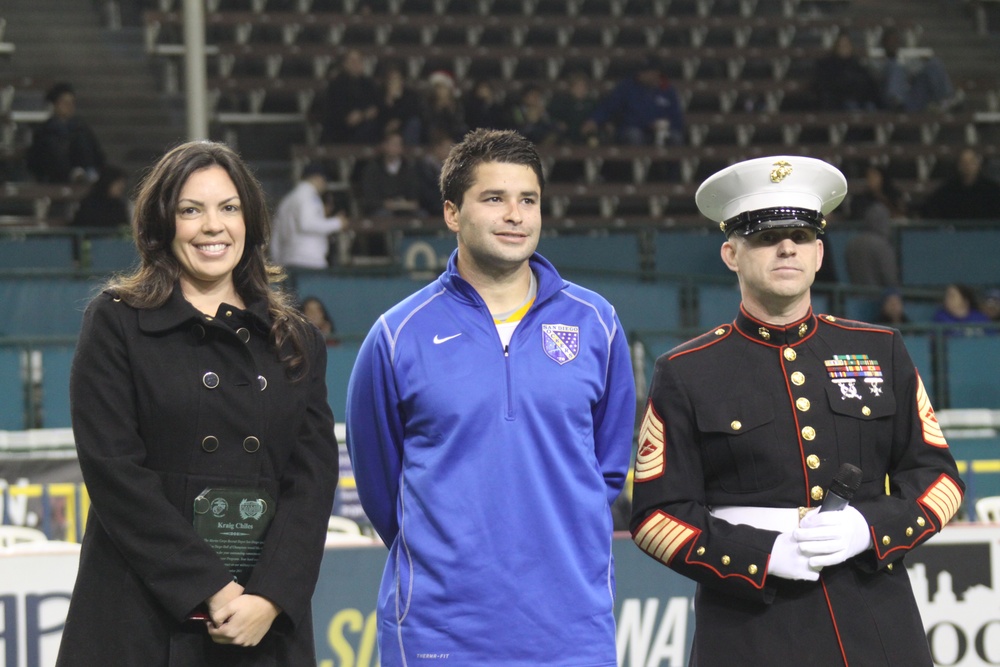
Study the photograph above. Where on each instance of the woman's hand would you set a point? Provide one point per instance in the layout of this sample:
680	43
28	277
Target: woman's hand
243	621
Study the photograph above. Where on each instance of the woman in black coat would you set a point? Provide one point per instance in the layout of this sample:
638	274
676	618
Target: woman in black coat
193	374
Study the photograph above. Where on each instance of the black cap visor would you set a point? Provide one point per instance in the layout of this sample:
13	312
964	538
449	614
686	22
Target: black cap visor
751	222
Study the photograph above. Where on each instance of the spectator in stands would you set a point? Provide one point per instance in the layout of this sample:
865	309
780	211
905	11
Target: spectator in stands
959	306
892	310
484	108
914	84
105	204
314	310
490	421
530	117
64	149
389	183
880	190
870	254
842	82
443	111
399	105
643	109
991	304
429	167
970	194
194	378
300	237
571	108
350	105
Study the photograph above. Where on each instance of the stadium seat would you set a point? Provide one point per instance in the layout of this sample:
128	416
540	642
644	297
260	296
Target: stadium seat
11	390
973	371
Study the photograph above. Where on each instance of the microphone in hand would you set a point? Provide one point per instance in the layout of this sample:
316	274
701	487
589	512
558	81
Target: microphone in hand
842	488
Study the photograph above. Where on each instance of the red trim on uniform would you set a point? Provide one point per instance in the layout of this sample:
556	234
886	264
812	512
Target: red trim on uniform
729	329
833	619
860	326
798	431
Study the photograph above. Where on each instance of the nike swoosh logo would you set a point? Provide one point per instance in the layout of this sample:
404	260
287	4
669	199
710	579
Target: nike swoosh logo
438	340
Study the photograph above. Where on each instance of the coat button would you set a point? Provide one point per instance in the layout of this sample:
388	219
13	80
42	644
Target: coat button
263	382
198	331
700	551
752	569
803	404
886	540
798	378
809	433
244	334
789	354
210	443
816	493
812	461
909	532
736	425
726	560
866	411
210	380
251	444
920	521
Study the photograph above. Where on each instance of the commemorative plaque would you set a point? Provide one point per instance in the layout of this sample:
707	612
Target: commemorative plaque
234	522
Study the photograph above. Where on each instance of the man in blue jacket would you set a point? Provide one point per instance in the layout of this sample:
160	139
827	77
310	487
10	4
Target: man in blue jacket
489	421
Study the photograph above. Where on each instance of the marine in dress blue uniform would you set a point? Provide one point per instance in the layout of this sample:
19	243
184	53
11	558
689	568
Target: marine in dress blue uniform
746	426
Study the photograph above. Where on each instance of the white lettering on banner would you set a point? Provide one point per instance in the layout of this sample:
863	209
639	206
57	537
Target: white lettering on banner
635	638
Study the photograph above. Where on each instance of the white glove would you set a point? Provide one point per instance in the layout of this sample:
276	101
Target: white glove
829	538
787	560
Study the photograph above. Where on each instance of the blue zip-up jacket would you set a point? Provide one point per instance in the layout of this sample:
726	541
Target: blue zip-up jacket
490	474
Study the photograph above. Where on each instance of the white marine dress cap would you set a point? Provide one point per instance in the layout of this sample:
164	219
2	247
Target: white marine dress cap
768	192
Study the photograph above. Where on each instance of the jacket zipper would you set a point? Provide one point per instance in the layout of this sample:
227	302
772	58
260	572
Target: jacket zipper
510	394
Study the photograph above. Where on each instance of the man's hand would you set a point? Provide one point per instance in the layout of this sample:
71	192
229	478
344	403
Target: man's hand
787	560
829	538
244	621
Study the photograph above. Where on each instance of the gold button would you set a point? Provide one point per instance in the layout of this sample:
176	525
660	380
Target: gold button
812	461
920	521
725	560
809	433
803	404
909	532
798	378
829	318
889	567
803	329
789	354
736	425
229	313
701	551
752	569
208	319
720	331
764	333
816	493
866	411
886	540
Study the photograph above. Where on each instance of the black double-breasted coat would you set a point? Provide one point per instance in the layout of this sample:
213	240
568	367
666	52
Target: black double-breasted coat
753	415
165	403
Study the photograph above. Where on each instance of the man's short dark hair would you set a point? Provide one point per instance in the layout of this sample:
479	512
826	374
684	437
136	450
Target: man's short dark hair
482	146
58	90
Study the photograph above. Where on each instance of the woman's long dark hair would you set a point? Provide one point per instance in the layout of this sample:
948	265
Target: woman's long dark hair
154	227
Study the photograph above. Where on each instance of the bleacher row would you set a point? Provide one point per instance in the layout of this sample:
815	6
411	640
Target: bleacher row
689	291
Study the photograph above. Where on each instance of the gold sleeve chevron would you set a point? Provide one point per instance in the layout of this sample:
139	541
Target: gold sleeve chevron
933	435
650	459
943	498
660	536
